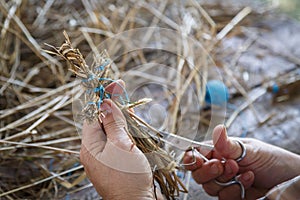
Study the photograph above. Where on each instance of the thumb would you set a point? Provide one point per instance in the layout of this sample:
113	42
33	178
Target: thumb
93	137
116	89
119	146
114	124
225	146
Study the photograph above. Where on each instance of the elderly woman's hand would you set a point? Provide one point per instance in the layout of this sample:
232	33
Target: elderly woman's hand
115	166
263	167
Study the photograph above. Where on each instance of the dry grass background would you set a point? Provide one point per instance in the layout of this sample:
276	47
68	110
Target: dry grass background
39	142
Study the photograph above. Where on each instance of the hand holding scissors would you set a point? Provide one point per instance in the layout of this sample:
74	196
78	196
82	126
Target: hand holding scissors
228	159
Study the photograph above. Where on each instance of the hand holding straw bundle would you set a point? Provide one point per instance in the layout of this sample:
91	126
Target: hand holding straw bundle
103	97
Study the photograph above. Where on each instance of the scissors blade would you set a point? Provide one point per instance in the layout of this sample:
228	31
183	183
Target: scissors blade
182	142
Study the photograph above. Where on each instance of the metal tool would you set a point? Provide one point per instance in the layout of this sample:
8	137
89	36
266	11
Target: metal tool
184	144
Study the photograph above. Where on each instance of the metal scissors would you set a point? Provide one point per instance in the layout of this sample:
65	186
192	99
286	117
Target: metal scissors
183	143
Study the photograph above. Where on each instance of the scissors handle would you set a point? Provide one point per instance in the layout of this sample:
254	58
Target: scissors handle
183	143
231	182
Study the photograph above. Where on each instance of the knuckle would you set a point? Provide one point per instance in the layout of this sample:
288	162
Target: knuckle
114	125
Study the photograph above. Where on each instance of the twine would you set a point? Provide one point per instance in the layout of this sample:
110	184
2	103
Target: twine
100	89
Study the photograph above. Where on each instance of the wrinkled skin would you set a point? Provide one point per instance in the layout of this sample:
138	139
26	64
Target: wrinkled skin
116	167
119	170
263	167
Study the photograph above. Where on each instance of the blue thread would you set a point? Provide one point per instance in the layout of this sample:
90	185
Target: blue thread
101	91
101	67
99	102
90	77
101	95
121	86
108	96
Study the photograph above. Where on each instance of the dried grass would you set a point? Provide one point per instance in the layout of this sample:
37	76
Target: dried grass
97	77
39	142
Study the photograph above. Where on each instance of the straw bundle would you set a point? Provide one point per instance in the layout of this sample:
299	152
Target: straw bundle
97	77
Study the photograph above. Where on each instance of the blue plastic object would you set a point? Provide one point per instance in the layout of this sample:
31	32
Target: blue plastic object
275	88
216	93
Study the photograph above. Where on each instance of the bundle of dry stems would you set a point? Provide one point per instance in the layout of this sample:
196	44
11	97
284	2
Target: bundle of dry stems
97	76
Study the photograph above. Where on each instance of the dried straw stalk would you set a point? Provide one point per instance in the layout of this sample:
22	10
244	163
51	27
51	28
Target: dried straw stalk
97	76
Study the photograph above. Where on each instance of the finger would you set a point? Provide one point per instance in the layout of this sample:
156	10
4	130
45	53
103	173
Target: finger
208	171
192	161
93	137
119	152
234	191
116	89
92	143
247	179
230	170
114	124
205	151
225	146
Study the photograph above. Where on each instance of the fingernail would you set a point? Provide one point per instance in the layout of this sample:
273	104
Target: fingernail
246	176
214	169
228	169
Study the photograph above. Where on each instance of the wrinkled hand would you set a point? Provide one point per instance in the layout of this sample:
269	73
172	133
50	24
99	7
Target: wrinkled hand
263	167
115	166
